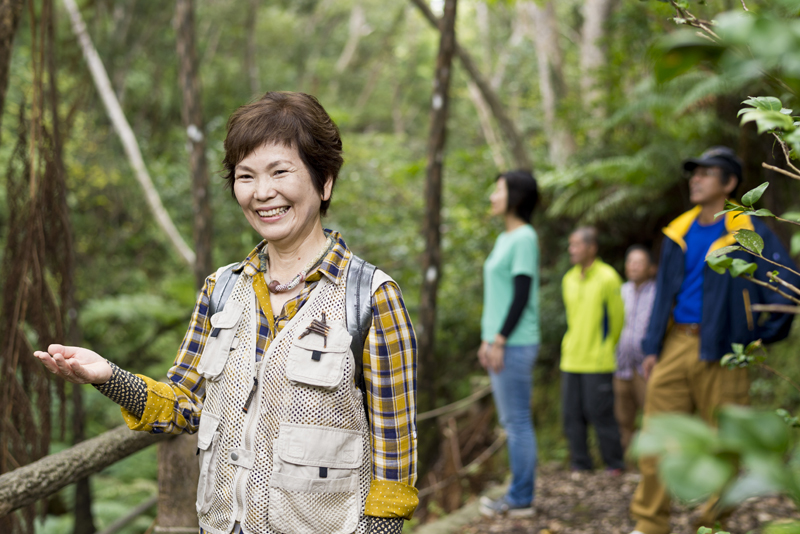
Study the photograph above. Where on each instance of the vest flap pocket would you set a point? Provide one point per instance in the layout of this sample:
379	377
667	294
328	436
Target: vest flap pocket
320	446
228	317
337	340
220	341
208	426
315	368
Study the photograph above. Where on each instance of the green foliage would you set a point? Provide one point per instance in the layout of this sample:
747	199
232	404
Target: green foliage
744	356
698	461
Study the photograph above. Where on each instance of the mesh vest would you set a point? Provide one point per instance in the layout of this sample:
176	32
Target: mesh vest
298	460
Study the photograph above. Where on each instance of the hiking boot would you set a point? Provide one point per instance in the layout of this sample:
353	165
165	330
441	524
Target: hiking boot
501	507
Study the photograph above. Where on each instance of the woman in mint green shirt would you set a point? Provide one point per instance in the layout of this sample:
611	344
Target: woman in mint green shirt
510	333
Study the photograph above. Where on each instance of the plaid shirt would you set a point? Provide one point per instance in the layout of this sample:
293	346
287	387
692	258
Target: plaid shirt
638	307
389	373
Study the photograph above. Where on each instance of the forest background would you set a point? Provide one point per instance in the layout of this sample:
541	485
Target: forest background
574	76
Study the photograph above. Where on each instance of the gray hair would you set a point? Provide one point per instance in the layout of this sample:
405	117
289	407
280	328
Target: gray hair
588	234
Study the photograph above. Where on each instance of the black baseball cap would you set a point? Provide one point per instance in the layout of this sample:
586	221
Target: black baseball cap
717	156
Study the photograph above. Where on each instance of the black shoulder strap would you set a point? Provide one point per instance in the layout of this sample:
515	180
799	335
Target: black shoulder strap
358	306
222	289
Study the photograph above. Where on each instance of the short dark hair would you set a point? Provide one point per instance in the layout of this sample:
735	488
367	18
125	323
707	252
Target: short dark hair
294	120
641	248
523	193
588	234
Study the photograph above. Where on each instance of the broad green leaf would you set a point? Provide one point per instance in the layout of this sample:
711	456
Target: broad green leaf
793	139
722	251
681	51
719	264
691	476
792	215
752	196
674	432
765	103
753	431
753	345
750	240
768	120
763	212
738	348
739	267
795	245
747	486
735	208
792	527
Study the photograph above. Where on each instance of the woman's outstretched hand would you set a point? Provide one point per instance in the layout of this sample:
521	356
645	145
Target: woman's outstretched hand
75	364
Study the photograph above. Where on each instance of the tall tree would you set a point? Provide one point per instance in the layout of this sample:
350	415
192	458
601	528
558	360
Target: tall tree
507	126
177	472
592	51
37	267
10	11
432	256
250	55
541	26
192	113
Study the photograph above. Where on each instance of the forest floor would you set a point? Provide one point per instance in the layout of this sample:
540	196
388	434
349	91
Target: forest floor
597	503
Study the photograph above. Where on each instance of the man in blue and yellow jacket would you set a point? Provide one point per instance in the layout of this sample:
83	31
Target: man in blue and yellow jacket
698	314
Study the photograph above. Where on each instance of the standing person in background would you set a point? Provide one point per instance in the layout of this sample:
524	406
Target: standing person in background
697	315
510	334
595	315
638	294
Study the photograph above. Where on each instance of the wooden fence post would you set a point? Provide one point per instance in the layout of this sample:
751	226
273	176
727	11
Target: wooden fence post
178	471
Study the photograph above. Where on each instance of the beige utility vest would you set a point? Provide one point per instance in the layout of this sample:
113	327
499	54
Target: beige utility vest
299	459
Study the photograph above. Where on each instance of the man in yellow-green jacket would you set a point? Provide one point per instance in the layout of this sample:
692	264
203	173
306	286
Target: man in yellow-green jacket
595	314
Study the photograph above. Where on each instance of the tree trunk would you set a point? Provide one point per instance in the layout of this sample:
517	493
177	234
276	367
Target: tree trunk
10	11
192	113
485	119
250	61
593	54
521	159
541	24
431	261
178	472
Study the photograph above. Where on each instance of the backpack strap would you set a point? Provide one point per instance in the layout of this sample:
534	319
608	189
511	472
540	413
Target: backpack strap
226	279
358	307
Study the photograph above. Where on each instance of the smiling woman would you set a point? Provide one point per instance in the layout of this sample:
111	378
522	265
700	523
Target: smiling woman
305	417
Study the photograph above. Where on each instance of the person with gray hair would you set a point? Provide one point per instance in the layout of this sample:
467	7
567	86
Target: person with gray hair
595	314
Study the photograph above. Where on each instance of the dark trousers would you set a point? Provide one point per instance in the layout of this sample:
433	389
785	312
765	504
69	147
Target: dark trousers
588	398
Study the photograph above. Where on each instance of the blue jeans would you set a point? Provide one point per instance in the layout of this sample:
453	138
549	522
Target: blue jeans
511	389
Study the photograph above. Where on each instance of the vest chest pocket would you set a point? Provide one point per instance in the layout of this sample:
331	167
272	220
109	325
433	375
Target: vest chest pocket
221	340
207	449
316	360
314	485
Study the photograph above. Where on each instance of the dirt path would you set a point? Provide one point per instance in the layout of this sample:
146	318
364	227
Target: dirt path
596	503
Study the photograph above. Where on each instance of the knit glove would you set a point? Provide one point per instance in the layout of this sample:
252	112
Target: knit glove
126	389
385	525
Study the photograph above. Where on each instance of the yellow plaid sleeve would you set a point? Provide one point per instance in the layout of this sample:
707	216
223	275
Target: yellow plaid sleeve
175	406
390	364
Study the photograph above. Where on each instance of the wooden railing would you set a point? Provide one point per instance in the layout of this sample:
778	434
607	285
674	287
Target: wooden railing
38	480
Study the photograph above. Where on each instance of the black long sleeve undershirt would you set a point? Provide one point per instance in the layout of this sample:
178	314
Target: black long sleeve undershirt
522	293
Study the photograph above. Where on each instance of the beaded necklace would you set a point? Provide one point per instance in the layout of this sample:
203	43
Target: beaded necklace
276	287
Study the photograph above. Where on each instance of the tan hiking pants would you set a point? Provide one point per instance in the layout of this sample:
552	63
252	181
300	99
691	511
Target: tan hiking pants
682	383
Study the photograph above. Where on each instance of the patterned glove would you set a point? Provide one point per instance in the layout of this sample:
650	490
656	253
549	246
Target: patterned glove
385	525
126	389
